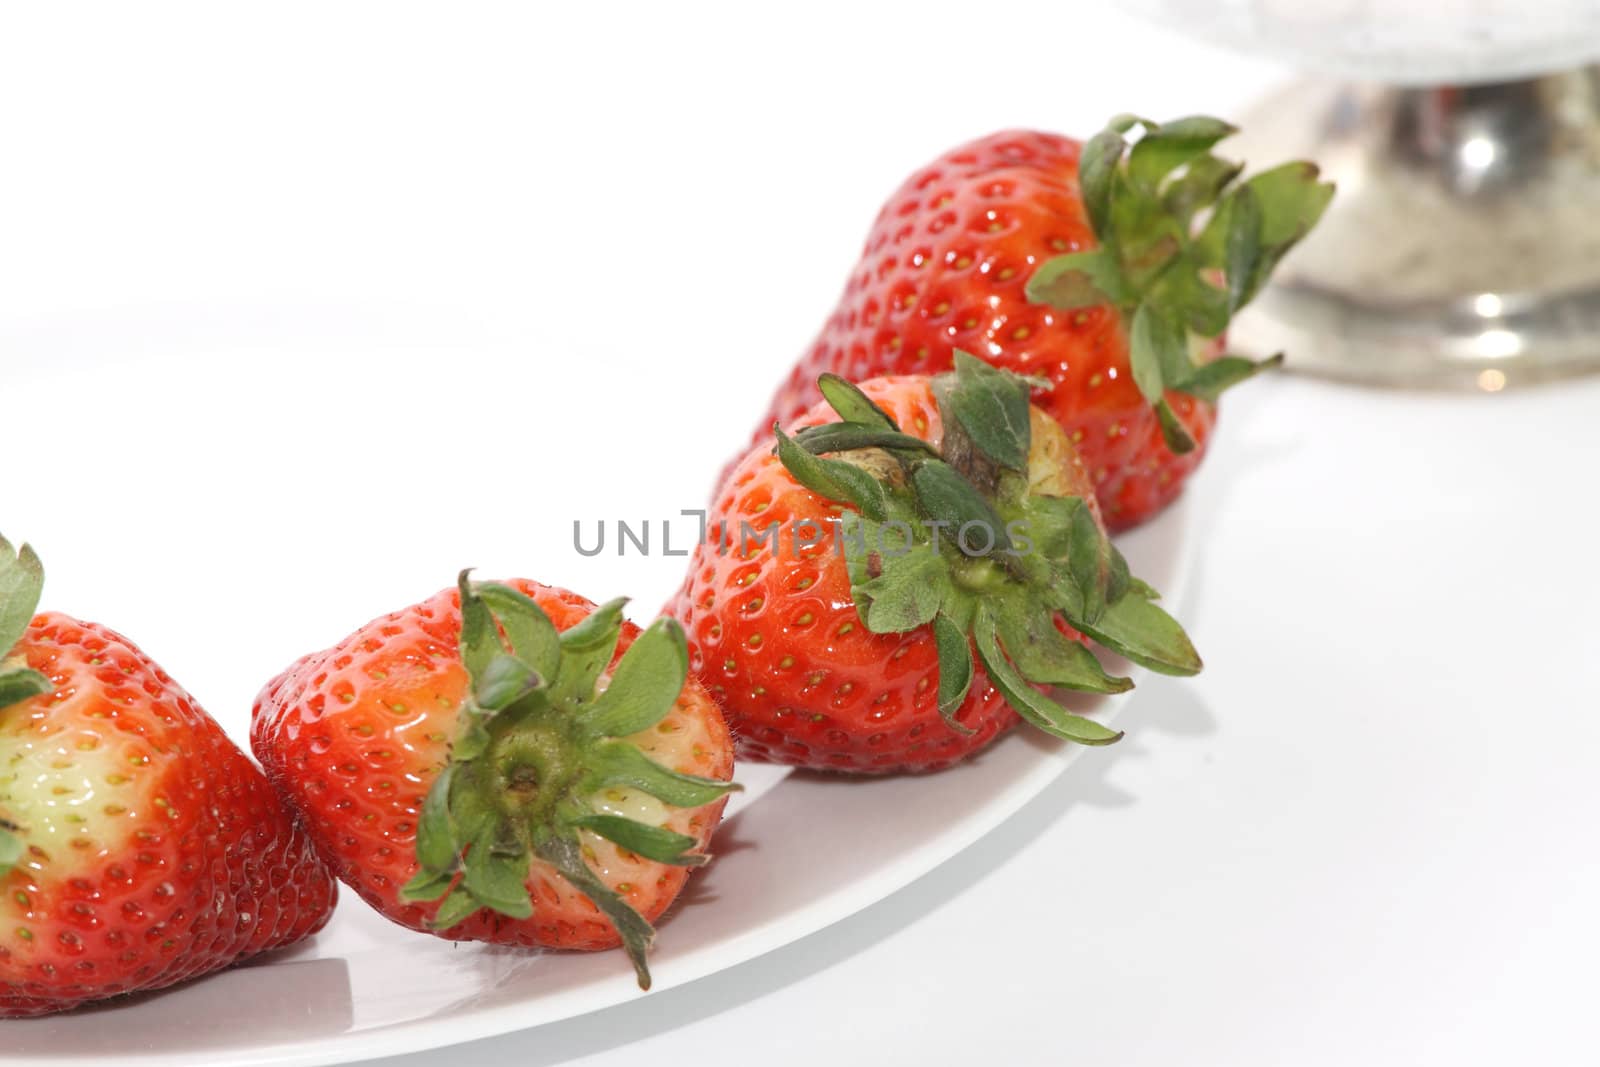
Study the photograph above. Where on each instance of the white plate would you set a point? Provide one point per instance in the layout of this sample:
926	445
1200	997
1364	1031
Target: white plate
178	484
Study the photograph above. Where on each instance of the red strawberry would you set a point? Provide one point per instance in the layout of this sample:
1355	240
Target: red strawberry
836	603
546	777
138	845
1088	275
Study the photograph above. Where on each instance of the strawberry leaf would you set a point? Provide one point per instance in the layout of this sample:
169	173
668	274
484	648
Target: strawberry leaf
1167	147
907	593
955	669
1154	346
847	436
1292	199
457	907
21	582
1097	168
852	404
20	683
1198	187
1143	201
473	739
1138	629
616	763
562	853
498	878
1028	702
586	650
1045	655
651	842
529	631
437	848
1243	253
479	641
1119	581
949	498
832	479
11	850
504	681
1079	279
1208	380
645	684
535	744
996	590
1069	534
427	885
992	407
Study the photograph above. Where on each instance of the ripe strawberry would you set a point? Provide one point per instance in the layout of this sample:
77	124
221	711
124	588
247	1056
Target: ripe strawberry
1081	265
138	845
836	603
545	775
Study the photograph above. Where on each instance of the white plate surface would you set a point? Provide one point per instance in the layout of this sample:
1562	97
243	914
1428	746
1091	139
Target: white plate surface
234	488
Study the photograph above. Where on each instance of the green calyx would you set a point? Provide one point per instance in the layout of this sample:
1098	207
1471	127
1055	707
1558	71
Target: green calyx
542	734
1183	245
21	582
956	541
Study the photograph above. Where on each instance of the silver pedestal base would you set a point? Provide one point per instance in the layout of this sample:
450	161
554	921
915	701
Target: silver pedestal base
1463	246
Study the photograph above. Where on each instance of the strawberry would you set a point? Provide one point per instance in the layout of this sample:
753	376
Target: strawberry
849	575
540	773
1083	265
138	845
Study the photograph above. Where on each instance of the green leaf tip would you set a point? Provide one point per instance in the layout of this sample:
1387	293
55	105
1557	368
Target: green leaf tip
1183	244
990	406
1032	705
833	479
645	685
1034	568
21	683
637	934
1138	628
955	670
851	404
651	842
541	733
21	583
11	850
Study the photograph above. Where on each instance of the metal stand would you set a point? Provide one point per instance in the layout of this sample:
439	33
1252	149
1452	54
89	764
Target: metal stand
1463	246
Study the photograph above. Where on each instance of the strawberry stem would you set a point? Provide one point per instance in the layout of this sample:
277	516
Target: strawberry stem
957	540
540	737
1182	247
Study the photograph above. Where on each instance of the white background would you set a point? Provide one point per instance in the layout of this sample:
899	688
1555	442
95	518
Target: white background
1365	835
